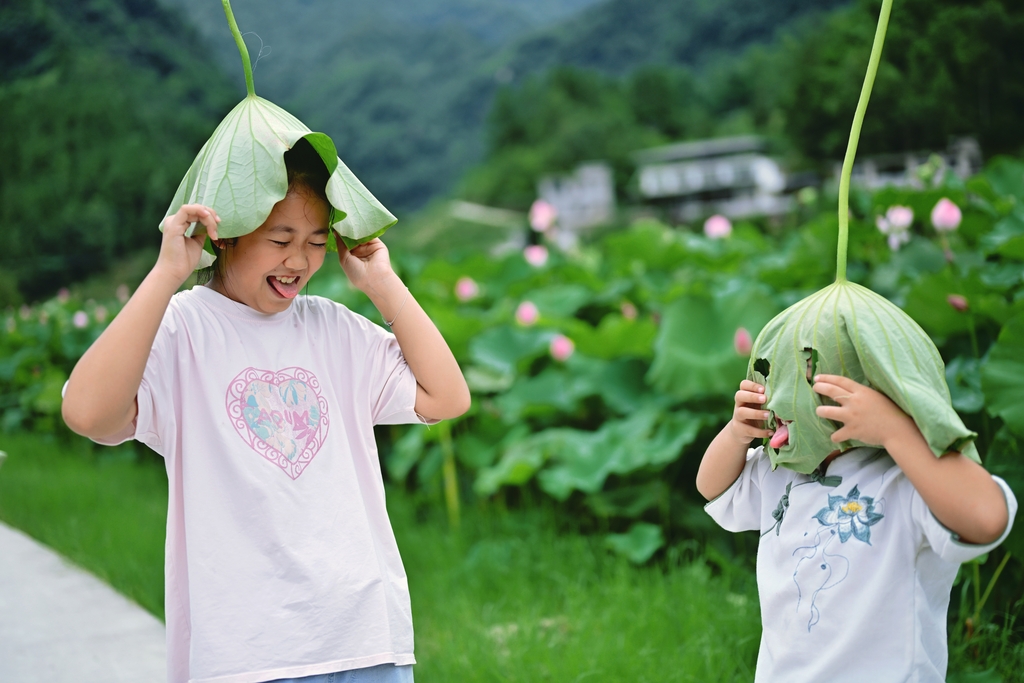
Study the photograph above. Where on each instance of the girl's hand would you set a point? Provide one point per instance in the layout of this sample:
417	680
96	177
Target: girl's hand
867	415
179	255
749	415
366	265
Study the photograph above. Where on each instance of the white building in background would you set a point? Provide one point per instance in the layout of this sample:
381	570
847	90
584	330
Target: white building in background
962	157
583	199
728	176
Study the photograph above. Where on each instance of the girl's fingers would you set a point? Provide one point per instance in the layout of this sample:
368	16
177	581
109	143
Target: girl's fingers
754	387
831	389
749	398
753	414
844	383
830	412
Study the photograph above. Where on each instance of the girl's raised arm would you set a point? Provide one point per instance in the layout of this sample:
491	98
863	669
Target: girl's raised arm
958	491
442	392
100	396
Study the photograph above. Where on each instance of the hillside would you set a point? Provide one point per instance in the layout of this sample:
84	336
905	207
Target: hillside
103	112
404	86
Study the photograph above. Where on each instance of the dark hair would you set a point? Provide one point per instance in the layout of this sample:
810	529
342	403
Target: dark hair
306	173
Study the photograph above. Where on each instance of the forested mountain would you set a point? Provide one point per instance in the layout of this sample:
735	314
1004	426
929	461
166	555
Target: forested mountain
103	111
404	86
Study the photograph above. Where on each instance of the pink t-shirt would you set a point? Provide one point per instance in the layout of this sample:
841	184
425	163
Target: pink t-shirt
280	558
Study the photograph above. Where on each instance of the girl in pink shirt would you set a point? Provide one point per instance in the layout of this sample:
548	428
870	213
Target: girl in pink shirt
280	558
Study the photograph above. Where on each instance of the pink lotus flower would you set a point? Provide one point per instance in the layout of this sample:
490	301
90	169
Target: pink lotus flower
742	341
542	215
946	216
466	288
895	224
63	295
900	217
958	302
122	293
536	255
717	227
561	348
80	319
628	310
527	313
100	314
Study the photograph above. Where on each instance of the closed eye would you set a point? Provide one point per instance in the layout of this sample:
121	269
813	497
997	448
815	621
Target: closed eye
280	244
318	245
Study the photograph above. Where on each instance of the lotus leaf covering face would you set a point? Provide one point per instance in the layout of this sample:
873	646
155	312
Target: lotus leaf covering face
846	329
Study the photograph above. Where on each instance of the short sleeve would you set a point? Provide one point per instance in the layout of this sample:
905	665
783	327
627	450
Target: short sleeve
392	385
157	415
946	543
738	508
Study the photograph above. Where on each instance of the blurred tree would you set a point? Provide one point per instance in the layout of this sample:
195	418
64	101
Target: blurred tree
950	68
104	107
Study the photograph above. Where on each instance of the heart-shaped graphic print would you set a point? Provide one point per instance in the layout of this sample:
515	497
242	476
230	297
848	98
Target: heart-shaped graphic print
281	415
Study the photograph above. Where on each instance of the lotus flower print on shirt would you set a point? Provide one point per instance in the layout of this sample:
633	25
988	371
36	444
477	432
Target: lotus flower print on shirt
281	415
853	515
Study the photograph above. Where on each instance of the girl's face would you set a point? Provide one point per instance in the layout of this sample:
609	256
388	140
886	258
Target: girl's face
267	268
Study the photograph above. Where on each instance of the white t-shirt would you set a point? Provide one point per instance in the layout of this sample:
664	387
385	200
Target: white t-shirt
853	570
280	558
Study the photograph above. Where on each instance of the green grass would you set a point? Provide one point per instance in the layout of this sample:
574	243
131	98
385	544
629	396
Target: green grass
104	509
507	598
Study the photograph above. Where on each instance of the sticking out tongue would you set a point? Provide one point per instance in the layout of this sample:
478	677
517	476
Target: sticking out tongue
286	290
781	437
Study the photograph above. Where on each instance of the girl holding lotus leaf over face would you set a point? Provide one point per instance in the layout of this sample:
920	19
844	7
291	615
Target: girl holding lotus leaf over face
280	558
867	492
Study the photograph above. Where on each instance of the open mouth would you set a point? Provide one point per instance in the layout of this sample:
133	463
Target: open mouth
286	286
781	436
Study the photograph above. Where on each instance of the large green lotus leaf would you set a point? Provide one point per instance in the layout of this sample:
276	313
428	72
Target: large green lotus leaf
694	354
846	329
240	173
638	544
1002	376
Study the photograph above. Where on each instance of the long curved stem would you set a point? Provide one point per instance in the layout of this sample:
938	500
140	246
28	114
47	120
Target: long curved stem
246	64
851	147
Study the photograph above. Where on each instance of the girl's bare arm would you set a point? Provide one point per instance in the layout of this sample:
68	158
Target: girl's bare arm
958	491
100	400
726	455
442	392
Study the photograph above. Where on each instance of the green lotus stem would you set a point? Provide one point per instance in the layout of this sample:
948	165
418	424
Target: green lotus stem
451	481
851	147
242	49
988	589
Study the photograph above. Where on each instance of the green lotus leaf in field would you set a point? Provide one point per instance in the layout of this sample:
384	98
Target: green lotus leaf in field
846	329
638	544
1002	376
240	171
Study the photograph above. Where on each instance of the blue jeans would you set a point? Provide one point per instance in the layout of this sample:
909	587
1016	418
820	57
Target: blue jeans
382	673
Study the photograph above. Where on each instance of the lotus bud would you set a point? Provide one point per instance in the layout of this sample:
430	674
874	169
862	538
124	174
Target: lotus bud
742	341
542	215
80	319
122	293
536	255
24	312
946	216
100	314
958	302
11	324
717	227
466	289
629	311
561	348
63	295
527	313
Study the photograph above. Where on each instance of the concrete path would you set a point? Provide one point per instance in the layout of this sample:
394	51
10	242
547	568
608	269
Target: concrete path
60	624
